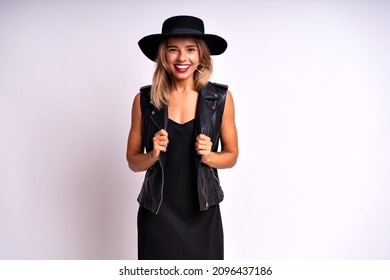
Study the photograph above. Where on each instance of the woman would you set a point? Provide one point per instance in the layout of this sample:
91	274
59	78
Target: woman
179	121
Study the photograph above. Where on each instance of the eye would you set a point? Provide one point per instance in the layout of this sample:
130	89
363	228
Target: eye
172	50
191	49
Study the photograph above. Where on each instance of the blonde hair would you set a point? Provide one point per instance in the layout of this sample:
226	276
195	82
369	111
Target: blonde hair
162	80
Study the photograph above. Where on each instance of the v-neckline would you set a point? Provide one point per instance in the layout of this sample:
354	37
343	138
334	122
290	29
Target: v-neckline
181	124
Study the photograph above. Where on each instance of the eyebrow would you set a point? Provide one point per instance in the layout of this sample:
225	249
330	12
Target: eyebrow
187	46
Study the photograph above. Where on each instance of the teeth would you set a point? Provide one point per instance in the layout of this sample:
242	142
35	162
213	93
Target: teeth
182	66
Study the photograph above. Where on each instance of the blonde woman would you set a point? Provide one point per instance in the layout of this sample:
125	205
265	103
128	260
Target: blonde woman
176	126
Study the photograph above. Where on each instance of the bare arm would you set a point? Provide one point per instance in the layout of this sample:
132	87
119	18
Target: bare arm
136	158
228	156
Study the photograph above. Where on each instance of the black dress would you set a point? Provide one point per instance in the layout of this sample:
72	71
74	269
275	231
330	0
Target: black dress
180	230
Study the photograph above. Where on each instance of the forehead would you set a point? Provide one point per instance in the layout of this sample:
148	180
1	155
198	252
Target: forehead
181	41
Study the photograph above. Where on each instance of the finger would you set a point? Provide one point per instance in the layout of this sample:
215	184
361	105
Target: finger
204	152
161	143
161	133
161	136
204	137
204	144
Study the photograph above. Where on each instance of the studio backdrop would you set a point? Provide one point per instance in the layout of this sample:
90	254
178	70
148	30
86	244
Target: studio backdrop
310	81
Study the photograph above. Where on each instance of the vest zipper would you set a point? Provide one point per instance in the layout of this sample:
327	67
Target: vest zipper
162	173
162	186
206	204
216	178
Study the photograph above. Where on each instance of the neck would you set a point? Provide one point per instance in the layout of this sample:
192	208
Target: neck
183	86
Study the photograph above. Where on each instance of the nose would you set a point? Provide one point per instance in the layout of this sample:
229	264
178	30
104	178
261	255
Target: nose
181	56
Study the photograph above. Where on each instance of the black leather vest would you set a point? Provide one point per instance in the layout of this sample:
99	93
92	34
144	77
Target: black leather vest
208	119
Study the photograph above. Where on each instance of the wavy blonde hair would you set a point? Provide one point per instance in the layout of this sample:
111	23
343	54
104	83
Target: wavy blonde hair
162	79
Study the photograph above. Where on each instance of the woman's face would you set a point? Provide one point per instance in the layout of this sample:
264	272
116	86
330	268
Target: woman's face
182	56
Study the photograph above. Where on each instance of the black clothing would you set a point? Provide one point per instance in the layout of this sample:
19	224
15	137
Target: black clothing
180	230
208	119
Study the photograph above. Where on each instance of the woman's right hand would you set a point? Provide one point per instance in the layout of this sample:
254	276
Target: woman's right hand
160	143
137	159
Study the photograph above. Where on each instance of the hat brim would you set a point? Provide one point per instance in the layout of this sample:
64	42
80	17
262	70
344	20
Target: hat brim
149	44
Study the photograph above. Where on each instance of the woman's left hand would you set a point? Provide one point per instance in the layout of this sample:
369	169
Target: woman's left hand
203	146
227	157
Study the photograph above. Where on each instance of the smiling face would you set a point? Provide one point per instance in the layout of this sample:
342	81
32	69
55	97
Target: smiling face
182	55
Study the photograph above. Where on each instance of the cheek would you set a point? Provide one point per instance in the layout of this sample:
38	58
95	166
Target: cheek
170	58
195	59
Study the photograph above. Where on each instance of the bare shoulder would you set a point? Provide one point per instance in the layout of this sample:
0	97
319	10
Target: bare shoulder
136	113
229	104
229	95
137	101
137	98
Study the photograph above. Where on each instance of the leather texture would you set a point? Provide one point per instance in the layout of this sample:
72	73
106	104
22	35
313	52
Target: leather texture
208	119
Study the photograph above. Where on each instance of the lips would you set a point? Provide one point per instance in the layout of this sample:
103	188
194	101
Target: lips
182	68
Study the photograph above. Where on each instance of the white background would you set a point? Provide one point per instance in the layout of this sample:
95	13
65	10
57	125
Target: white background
311	86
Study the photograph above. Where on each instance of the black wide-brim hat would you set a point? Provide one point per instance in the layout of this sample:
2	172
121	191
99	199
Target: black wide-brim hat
181	26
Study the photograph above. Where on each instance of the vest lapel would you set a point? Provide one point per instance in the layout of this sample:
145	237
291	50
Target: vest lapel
160	117
207	101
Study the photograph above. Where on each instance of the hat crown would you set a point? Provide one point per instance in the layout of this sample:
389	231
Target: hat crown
181	26
178	24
